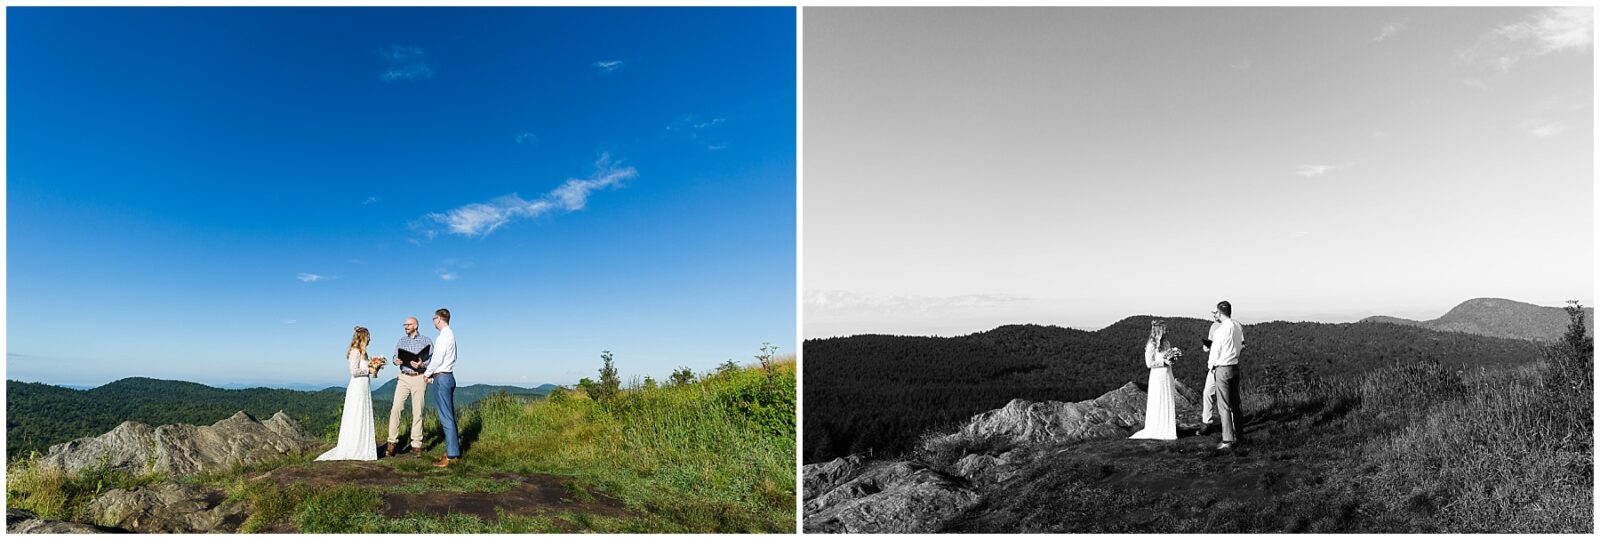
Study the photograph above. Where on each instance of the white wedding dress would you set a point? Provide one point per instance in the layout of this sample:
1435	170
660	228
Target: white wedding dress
356	439
1160	417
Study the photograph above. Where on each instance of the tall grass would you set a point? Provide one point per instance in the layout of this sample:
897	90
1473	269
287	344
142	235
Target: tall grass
712	455
1514	453
51	493
1418	448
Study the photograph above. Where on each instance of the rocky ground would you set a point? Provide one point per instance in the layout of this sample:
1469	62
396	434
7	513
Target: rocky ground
408	485
998	473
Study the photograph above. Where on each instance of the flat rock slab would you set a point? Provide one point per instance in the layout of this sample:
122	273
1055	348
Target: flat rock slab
169	508
25	522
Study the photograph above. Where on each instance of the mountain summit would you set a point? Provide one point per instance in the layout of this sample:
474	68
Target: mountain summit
1498	317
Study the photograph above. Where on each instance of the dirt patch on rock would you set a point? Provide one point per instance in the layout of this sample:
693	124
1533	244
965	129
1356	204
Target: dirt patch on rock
529	495
534	494
337	473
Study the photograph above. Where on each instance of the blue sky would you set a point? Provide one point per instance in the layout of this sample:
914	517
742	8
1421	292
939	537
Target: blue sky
219	194
1074	166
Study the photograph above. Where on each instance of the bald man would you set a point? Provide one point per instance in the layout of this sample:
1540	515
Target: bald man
409	384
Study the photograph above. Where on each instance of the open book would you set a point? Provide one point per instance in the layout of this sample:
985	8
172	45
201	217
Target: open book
415	358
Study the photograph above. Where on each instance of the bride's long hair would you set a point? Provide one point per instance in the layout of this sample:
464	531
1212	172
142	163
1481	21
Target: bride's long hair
359	341
1158	331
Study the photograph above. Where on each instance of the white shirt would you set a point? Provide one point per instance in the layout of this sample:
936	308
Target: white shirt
1227	338
444	353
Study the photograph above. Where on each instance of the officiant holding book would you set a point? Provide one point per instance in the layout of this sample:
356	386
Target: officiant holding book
412	354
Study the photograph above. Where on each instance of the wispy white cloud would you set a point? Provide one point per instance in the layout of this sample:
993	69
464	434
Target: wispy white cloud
701	131
608	66
1311	171
1563	103
480	219
450	269
1544	130
1242	64
405	63
1390	30
1545	31
370	200
823	301
527	138
290	321
309	278
1474	83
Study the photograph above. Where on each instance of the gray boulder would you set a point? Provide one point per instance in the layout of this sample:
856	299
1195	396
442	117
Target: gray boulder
169	508
182	449
25	522
885	497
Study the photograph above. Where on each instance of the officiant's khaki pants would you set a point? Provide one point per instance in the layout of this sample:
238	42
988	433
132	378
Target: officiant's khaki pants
1228	401
412	386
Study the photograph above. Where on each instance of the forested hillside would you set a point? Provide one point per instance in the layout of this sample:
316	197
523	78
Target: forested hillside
39	415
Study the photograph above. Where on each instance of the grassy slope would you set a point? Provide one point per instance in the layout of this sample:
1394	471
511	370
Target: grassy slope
1412	448
715	455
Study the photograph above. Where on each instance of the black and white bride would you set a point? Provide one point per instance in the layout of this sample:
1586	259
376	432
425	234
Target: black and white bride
1160	416
356	439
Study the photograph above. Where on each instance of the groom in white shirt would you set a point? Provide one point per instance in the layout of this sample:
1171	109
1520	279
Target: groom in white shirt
1227	341
444	392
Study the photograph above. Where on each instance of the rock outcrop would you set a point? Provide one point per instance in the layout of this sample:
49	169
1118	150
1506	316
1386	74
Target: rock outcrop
1117	413
25	522
853	495
169	508
885	497
181	449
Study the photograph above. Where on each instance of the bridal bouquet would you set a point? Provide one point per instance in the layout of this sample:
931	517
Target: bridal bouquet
1173	354
374	366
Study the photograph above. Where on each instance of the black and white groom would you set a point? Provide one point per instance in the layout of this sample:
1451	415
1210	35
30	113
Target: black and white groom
444	393
1227	339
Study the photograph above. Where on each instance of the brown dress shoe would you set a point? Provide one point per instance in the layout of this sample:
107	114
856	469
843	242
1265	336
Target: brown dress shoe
444	461
388	451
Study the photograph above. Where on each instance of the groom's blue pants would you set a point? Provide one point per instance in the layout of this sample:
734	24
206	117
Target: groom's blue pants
444	399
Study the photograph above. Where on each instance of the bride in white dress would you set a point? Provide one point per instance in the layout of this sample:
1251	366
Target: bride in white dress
1160	418
356	440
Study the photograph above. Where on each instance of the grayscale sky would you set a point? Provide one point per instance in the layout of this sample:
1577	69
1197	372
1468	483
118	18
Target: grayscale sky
967	168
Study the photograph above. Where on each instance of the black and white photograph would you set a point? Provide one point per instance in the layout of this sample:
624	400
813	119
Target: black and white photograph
1198	270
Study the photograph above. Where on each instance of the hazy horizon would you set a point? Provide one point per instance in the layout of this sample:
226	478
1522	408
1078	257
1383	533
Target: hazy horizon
1327	318
973	167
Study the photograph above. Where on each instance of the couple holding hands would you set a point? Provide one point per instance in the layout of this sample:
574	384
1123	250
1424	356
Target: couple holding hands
415	354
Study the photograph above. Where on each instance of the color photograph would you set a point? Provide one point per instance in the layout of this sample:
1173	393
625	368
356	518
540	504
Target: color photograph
401	270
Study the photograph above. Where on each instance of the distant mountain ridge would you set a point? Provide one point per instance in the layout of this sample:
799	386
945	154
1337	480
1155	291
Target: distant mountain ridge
1497	317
